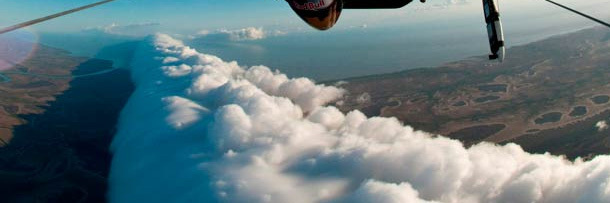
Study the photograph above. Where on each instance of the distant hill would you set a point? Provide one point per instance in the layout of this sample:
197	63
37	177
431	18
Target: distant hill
547	96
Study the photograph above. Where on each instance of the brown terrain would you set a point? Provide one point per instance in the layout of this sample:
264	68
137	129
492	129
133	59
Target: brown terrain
547	96
58	114
24	93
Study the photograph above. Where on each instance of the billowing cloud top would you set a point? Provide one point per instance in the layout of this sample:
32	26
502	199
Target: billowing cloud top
199	129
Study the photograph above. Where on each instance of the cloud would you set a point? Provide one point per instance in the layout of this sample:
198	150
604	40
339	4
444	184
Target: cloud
443	4
137	29
447	3
340	83
363	26
200	129
375	191
601	125
249	33
244	34
454	1
363	98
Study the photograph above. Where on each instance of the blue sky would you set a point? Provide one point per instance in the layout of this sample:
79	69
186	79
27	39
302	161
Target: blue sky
174	14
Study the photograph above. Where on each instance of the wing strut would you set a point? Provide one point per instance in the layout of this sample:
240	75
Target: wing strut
39	20
580	13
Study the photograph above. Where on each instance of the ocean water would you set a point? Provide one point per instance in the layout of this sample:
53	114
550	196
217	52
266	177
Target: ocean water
327	56
415	39
410	39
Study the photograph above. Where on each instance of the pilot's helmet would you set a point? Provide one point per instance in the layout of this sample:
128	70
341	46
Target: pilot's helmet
320	14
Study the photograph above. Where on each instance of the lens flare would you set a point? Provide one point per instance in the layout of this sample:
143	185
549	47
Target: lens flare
16	47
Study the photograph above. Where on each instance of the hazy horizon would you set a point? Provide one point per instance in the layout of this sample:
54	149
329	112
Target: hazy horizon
419	35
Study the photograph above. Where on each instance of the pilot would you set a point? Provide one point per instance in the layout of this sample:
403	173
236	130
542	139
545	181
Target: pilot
320	14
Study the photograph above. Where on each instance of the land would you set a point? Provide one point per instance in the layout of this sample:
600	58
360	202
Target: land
59	113
546	96
22	94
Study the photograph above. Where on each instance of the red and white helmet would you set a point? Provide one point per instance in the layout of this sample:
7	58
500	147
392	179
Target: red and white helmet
320	14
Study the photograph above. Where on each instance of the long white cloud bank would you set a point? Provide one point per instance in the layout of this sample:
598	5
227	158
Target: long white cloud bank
199	129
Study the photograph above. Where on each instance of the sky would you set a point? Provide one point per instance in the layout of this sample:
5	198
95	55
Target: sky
212	13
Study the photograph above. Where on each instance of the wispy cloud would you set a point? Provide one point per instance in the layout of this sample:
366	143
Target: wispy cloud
601	125
244	34
138	29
